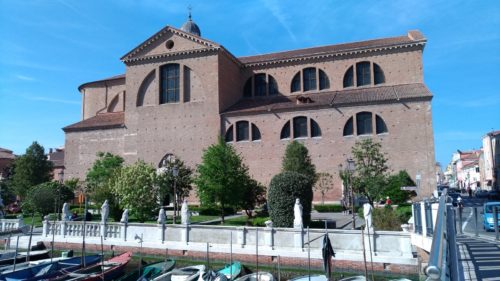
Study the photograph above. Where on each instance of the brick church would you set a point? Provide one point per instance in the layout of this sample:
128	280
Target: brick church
181	91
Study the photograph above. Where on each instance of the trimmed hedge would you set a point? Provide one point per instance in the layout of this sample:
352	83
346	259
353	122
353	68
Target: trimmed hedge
329	208
283	190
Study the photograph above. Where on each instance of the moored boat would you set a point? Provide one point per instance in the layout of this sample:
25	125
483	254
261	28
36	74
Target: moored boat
231	271
354	278
310	278
9	257
108	270
188	273
261	276
150	271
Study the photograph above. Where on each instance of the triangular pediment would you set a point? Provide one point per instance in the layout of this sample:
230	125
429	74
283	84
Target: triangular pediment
168	42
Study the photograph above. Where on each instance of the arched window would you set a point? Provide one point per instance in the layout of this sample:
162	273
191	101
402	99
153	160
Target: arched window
169	90
229	134
300	128
242	133
255	133
380	125
315	130
310	80
349	77
169	158
263	85
378	74
363	73
296	83
364	124
285	131
348	128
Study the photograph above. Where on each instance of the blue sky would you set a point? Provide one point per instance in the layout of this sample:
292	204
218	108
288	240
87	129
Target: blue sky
48	48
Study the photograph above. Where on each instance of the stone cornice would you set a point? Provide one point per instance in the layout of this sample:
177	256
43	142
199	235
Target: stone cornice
173	54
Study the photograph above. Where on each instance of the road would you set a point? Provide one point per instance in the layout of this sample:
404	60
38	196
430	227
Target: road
468	219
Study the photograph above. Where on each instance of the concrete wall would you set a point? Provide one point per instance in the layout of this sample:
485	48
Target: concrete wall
98	96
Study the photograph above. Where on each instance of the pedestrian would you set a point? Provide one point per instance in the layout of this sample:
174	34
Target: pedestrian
469	190
388	201
344	207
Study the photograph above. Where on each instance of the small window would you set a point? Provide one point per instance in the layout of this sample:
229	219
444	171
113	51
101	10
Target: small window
229	134
285	132
260	85
255	133
300	127
247	91
242	133
381	127
363	75
349	77
296	83
309	79
324	82
378	74
169	83
273	86
364	123
315	130
348	128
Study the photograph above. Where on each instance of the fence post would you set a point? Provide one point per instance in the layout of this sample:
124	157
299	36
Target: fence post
475	222
495	221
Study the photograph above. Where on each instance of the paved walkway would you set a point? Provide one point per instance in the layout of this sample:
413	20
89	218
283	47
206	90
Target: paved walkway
343	221
480	258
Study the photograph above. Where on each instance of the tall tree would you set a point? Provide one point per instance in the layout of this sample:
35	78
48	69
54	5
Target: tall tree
324	183
254	194
47	197
370	177
136	188
97	181
31	169
394	184
221	177
297	159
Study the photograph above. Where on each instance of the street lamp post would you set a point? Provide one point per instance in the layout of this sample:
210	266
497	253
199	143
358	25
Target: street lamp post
175	173
61	181
346	174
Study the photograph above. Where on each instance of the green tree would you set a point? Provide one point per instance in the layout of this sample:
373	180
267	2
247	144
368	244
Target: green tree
283	190
394	184
323	184
221	177
370	177
136	188
97	182
44	197
183	182
31	169
254	194
297	159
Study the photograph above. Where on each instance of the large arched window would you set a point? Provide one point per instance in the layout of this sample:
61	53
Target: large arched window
300	129
170	86
260	85
362	74
363	123
310	80
244	131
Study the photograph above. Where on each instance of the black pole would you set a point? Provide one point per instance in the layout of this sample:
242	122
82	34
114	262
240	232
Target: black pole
495	221
475	222
31	236
460	211
84	230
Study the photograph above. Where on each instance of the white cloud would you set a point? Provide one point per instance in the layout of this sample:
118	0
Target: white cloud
282	18
54	100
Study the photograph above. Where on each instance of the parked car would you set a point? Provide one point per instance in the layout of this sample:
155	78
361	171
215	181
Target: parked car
494	195
481	194
488	219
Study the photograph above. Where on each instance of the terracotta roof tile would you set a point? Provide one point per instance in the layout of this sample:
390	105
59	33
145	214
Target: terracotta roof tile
412	37
98	122
333	99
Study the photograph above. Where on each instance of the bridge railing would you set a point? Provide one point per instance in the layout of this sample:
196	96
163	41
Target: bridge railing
443	259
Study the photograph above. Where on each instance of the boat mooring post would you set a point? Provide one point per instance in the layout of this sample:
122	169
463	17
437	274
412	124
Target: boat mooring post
257	253
231	255
31	236
279	267
102	260
15	256
208	257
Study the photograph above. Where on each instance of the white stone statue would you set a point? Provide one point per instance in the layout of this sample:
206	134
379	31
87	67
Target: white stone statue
124	218
269	223
297	214
185	215
66	214
104	211
162	217
367	213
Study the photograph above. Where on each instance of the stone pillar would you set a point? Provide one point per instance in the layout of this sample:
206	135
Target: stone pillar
45	229
240	236
103	230
123	230
298	238
268	237
185	233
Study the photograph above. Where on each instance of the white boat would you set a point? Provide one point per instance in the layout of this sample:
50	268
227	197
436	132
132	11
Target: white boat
311	278
189	273
262	276
354	278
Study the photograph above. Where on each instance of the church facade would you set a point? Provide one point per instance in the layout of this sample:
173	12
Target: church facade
180	92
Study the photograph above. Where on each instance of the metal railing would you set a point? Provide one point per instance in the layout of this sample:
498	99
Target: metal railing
443	259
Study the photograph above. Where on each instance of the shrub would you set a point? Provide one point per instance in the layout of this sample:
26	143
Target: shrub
283	191
213	211
386	219
329	208
260	221
43	198
404	213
